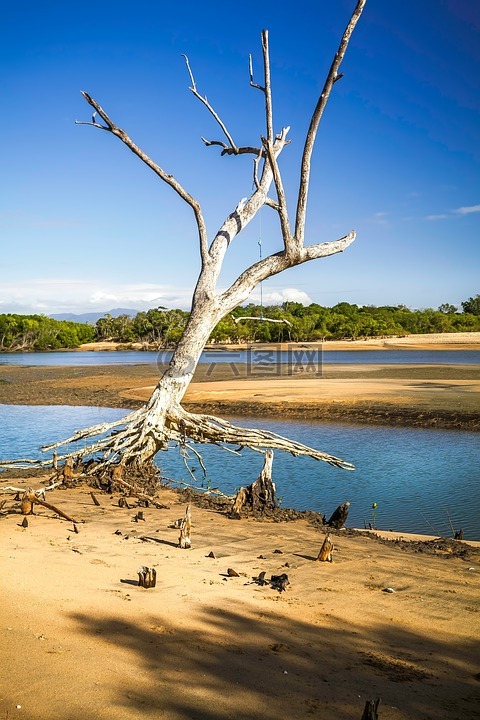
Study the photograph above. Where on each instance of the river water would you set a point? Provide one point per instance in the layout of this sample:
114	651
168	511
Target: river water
422	480
255	358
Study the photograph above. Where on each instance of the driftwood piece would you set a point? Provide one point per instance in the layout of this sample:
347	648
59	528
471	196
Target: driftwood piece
325	554
29	499
339	517
261	494
67	472
184	541
370	711
95	499
147	577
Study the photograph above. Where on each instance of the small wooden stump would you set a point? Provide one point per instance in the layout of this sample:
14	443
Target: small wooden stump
184	541
325	554
261	494
67	472
370	711
339	517
27	505
94	498
147	577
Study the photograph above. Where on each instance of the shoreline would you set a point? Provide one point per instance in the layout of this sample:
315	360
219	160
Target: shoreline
430	341
422	396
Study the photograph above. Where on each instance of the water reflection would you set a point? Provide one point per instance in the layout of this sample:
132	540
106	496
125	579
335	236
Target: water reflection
421	480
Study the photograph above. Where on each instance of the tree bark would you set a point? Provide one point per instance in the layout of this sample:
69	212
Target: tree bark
261	494
339	517
325	554
184	541
370	711
147	577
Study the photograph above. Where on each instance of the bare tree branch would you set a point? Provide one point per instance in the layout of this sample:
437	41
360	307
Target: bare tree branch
274	264
252	83
169	179
315	121
268	88
203	99
282	200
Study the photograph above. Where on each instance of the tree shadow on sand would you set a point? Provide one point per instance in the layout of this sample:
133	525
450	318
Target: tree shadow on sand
248	665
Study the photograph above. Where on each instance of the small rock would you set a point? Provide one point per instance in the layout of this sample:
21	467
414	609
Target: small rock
25	522
388	590
278	552
232	573
211	554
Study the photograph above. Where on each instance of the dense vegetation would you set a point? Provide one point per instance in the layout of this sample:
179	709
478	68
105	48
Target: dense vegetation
304	323
163	328
38	332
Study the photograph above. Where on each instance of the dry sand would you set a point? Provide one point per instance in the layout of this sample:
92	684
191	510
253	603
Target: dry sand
437	341
80	640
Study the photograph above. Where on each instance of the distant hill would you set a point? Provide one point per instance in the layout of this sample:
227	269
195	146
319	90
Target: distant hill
92	317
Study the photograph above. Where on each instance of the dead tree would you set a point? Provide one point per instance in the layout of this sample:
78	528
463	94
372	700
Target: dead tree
138	437
261	494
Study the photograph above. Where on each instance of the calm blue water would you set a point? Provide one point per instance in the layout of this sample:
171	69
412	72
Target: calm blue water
256	358
417	477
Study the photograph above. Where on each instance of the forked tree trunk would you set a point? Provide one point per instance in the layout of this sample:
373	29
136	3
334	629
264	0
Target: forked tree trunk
137	438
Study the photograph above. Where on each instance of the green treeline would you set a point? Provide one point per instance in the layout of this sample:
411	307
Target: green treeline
163	328
38	332
304	323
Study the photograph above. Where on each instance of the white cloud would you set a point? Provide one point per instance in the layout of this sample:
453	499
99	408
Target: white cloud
380	218
78	296
459	212
437	217
467	210
276	297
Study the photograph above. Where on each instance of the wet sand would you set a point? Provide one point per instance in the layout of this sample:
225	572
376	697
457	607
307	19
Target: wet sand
410	395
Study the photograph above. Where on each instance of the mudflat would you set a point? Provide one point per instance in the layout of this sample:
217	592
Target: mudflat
413	395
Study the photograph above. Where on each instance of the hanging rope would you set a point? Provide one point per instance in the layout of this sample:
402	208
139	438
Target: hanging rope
262	318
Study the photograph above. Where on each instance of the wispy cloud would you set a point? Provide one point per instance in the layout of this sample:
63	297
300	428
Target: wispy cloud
467	210
437	217
458	212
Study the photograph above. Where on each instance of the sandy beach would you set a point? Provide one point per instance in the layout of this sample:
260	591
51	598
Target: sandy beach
80	640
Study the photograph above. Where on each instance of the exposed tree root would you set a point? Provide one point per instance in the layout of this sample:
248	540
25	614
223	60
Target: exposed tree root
138	437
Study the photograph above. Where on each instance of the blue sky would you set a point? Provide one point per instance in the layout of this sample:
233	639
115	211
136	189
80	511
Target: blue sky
85	226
